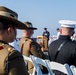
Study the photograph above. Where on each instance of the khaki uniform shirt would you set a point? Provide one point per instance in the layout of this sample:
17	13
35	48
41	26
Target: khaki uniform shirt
11	61
29	47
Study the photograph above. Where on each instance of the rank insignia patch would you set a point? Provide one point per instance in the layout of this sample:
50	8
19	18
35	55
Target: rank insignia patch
1	47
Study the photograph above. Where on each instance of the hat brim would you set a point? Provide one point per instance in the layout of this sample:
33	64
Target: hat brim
19	24
32	28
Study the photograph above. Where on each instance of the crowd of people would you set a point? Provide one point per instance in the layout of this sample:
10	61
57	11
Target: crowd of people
62	49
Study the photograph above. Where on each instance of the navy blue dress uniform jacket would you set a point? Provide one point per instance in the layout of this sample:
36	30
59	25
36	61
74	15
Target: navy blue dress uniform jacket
46	34
67	53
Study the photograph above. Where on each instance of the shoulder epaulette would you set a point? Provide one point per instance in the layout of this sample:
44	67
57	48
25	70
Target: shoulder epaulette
8	48
28	39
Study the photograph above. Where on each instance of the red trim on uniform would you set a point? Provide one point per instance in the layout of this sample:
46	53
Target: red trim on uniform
1	47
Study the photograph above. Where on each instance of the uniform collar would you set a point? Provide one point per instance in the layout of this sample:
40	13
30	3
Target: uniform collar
3	42
64	37
25	37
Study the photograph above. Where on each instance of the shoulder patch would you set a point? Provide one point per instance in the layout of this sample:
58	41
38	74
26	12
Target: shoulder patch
1	47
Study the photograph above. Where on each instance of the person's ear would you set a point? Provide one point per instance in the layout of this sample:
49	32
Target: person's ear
9	30
31	32
60	31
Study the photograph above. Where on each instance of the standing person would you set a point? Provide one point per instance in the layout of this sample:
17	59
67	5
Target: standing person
11	61
46	33
28	46
63	50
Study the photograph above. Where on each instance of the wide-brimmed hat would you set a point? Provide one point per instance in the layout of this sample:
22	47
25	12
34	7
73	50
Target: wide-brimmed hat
11	16
29	25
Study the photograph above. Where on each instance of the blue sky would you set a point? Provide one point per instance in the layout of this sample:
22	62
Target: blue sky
42	13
